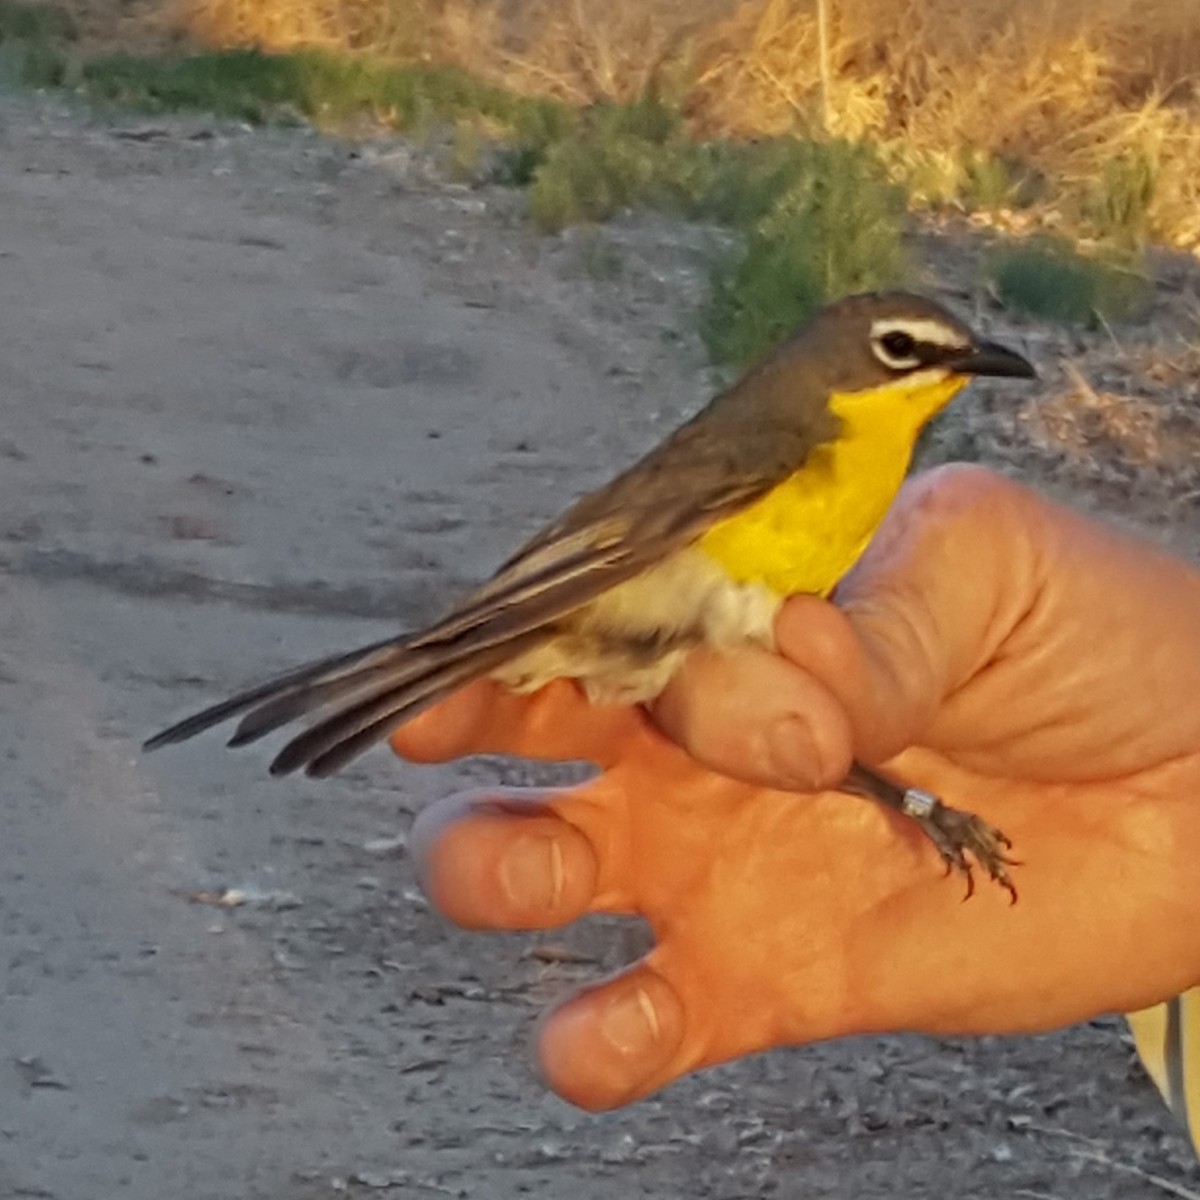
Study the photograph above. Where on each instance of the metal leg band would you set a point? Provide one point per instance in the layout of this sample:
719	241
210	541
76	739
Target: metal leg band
917	803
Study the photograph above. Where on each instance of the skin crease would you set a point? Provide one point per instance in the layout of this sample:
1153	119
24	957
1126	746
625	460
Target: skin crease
1042	670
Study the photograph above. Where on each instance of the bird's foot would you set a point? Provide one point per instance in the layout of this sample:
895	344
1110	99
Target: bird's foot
961	838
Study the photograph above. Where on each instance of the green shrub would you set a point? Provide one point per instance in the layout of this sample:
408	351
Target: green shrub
242	84
34	23
1050	278
747	179
251	86
836	228
36	36
619	156
537	126
1116	207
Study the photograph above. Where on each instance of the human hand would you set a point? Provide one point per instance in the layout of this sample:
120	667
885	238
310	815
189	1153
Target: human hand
1017	659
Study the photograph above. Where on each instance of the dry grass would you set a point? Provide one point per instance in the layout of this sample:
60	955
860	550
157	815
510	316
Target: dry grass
387	29
1128	429
1149	432
996	105
1057	90
575	50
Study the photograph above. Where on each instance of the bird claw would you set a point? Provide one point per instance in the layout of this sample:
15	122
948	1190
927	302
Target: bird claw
961	837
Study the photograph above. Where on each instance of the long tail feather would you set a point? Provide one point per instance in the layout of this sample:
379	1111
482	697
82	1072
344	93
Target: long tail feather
289	683
327	746
399	666
335	758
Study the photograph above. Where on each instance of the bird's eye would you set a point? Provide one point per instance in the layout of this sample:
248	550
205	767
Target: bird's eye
898	343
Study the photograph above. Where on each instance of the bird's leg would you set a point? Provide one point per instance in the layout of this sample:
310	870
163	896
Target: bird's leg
956	834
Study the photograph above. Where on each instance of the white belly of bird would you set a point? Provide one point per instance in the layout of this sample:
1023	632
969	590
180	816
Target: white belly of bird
625	645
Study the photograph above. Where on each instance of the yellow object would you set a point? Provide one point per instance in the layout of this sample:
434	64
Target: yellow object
1167	1037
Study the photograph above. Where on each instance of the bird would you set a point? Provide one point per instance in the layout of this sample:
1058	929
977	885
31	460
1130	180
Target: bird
775	487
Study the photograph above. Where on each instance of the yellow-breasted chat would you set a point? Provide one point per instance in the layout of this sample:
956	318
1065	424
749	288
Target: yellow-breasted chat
774	488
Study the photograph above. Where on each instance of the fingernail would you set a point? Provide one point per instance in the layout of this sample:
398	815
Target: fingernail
531	873
792	752
630	1024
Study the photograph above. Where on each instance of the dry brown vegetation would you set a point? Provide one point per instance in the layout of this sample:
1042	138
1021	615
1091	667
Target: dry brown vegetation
1064	88
1155	431
985	97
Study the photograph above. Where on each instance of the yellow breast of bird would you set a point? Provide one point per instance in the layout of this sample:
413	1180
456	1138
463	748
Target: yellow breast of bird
810	530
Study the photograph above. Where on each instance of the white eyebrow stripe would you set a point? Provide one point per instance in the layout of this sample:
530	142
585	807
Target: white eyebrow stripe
920	329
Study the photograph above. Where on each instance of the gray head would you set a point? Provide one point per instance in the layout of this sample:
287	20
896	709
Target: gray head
867	340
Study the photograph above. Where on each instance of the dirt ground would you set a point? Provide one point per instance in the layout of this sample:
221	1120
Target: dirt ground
265	395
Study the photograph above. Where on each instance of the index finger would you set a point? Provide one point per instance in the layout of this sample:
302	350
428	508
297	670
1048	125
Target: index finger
556	723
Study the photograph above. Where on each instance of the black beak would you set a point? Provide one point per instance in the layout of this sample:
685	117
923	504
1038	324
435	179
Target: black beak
990	358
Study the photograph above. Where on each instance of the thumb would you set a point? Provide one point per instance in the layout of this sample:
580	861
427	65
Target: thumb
611	1044
949	574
